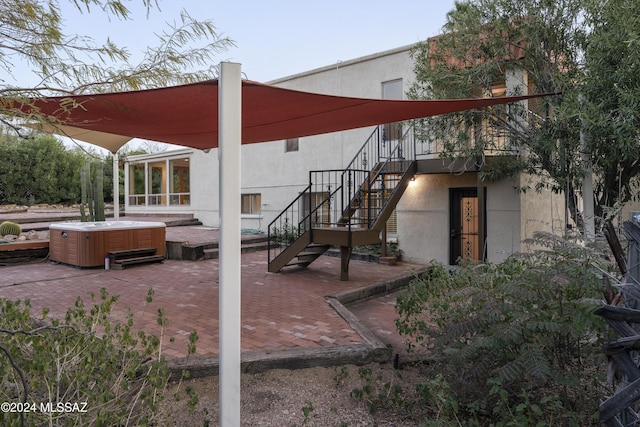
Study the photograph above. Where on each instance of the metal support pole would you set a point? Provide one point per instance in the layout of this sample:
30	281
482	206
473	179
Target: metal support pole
116	188
229	140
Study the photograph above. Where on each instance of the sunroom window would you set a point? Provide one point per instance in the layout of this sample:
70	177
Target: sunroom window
159	182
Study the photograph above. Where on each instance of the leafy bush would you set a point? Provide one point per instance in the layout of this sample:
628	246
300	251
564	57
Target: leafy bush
516	343
285	234
109	373
392	249
38	170
379	391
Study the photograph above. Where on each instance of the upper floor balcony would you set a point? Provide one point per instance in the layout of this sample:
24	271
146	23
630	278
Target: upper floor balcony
464	145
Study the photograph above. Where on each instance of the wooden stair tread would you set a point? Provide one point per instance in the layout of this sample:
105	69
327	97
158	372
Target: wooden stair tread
122	263
297	264
131	253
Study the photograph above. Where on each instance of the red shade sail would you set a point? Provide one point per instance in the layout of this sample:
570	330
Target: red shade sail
188	115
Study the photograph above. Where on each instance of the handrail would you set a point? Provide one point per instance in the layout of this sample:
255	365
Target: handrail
282	231
398	156
343	197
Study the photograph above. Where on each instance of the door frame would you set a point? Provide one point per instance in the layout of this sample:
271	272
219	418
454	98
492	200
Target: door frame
455	222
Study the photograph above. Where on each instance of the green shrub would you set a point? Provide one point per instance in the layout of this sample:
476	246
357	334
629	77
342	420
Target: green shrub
8	227
516	343
285	234
113	374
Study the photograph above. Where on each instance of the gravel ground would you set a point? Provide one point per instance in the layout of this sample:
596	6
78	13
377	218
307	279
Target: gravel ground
306	397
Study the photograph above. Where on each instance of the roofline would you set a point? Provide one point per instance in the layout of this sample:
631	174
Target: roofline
349	62
159	155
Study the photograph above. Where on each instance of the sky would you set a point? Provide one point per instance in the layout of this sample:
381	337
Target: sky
278	38
273	39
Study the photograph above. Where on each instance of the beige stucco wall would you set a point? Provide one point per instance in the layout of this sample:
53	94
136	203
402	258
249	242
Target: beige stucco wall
504	206
424	224
541	210
205	187
423	212
625	212
424	221
279	176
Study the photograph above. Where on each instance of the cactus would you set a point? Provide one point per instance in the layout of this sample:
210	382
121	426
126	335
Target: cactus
9	227
85	180
92	193
98	194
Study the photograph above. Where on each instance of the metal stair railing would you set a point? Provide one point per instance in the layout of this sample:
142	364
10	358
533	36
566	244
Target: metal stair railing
394	160
342	193
289	225
333	188
333	197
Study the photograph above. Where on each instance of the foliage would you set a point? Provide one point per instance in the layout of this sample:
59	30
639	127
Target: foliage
378	391
8	227
516	342
307	409
38	170
392	249
70	64
287	233
41	169
92	193
610	107
585	49
114	375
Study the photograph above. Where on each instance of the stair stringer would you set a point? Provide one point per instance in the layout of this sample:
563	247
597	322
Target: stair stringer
395	197
290	252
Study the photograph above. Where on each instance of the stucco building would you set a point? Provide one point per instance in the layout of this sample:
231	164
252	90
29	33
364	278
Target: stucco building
439	215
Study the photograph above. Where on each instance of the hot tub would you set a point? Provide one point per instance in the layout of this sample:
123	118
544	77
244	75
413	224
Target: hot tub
86	244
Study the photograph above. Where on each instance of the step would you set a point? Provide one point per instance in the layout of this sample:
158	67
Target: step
254	247
249	238
307	258
209	250
315	251
301	264
181	222
128	262
131	253
195	251
214	253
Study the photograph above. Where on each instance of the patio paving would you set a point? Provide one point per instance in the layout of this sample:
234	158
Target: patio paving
280	311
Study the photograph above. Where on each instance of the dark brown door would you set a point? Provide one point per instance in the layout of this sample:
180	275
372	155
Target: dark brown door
464	217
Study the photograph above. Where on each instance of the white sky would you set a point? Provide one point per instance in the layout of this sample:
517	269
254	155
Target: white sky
280	37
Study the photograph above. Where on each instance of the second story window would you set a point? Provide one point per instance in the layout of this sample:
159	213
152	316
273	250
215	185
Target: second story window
392	90
291	144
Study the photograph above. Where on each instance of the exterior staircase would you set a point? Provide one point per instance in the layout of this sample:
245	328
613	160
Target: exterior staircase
345	207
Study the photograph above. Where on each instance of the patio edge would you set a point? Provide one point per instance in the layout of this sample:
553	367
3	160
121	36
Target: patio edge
372	350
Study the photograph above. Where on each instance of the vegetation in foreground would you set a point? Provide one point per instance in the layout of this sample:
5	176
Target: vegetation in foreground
84	369
515	343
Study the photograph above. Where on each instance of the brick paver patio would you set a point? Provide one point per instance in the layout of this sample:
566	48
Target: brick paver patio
279	311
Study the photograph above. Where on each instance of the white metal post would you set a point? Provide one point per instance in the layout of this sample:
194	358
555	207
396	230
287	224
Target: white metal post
116	188
229	142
